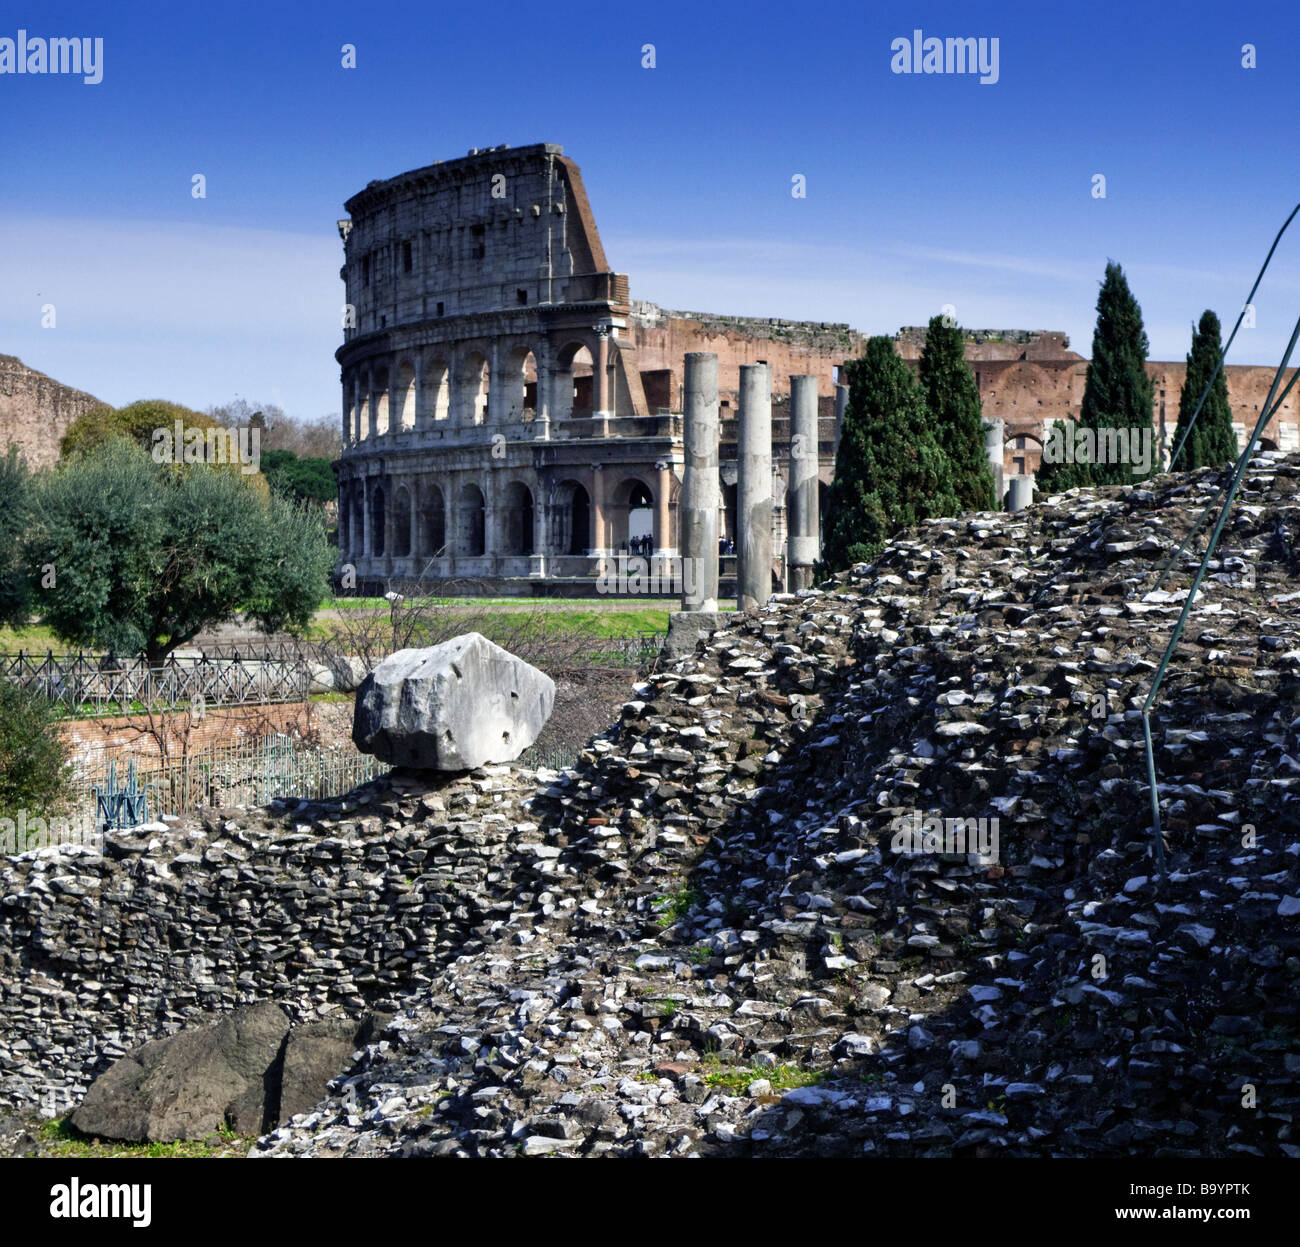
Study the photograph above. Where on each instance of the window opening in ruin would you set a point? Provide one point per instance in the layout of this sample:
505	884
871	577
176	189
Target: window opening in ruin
441	307
407	260
365	270
522	296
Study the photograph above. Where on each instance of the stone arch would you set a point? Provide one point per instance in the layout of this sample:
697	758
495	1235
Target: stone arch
517	519
434	519
631	512
401	522
519	384
471	521
435	402
572	392
571	519
404	396
473	384
377	520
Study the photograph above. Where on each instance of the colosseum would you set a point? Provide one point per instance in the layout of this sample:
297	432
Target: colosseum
512	417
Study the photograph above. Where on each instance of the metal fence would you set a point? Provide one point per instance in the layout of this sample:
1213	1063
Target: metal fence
90	684
251	773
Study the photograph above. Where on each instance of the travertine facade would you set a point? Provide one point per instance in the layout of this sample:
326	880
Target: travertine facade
496	424
35	411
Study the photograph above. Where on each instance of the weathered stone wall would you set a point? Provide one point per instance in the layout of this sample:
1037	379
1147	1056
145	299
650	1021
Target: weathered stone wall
100	952
36	410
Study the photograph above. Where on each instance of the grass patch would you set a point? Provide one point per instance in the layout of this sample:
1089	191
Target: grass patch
59	1139
676	905
782	1077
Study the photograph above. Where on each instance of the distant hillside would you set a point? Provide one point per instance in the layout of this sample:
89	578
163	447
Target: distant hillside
36	410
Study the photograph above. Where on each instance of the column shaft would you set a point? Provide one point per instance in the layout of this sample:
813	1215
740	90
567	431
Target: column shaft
698	517
754	495
802	506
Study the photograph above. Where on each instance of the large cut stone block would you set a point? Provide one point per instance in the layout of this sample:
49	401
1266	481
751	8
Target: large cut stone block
190	1084
451	707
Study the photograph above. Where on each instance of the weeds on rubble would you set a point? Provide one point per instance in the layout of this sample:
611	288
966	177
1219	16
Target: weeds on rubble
676	905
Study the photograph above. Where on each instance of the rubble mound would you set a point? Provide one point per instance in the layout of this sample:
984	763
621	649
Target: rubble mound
710	942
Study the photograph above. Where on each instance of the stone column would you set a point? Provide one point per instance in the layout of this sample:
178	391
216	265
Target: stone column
664	508
841	406
754	492
363	485
803	545
1022	492
600	388
698	515
600	546
994	433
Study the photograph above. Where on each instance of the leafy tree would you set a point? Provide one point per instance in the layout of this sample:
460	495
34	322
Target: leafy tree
1212	441
1117	392
304	480
15	584
954	403
890	471
34	769
146	557
136	422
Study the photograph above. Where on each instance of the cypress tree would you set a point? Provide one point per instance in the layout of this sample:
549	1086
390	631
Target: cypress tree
1117	392
1212	441
890	470
953	399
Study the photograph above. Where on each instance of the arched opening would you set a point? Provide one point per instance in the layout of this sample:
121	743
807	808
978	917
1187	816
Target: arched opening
377	521
571	519
517	520
401	522
1266	443
405	396
519	381
435	523
436	402
472	389
470	521
358	522
632	517
573	388
380	399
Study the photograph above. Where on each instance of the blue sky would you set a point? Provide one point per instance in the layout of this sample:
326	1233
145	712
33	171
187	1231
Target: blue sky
922	190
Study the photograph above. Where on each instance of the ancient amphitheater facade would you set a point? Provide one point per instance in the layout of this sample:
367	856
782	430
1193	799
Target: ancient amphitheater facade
496	425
